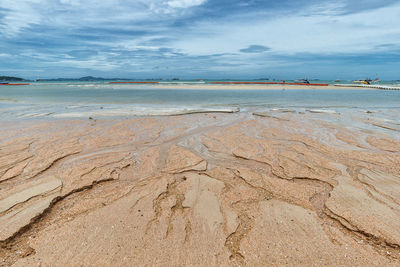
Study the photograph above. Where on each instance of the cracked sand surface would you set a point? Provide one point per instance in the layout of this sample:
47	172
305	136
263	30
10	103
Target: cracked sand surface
244	189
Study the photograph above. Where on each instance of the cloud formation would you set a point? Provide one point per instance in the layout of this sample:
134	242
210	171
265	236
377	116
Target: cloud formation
185	3
193	38
255	49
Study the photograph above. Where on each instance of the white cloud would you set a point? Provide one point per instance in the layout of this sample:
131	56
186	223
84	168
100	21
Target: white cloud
146	35
325	8
324	32
18	16
172	7
185	3
100	63
70	14
71	2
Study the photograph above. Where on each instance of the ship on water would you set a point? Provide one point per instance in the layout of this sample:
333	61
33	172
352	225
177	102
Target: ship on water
366	81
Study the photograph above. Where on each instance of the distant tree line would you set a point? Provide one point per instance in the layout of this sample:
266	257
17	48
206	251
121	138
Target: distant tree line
10	78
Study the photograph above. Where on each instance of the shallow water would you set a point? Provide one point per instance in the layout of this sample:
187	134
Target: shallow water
101	99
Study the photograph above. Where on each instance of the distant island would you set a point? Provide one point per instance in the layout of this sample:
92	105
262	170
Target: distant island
10	78
82	79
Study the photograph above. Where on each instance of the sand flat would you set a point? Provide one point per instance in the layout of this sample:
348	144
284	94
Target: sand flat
200	189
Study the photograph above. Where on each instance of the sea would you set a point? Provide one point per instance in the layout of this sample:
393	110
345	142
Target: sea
73	99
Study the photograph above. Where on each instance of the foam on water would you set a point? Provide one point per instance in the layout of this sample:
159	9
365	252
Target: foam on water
326	111
141	111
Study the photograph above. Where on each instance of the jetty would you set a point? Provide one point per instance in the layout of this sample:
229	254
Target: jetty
374	86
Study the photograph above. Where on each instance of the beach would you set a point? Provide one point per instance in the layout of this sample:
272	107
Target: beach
281	186
199	133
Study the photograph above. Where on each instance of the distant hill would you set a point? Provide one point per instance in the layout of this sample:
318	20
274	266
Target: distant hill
10	78
91	78
83	79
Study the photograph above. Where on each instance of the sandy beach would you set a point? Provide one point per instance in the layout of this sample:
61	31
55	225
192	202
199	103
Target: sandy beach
238	189
199	133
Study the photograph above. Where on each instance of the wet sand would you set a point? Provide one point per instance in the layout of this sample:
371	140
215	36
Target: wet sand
269	188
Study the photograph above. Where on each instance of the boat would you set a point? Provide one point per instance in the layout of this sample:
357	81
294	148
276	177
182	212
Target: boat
302	81
367	81
361	82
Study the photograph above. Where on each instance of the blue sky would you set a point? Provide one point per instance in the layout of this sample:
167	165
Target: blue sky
340	39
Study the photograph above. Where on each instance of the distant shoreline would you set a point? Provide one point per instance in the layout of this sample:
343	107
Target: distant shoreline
208	86
251	87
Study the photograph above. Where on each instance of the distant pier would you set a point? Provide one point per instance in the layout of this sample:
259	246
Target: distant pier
374	86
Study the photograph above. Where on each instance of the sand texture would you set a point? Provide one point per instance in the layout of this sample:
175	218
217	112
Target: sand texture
242	189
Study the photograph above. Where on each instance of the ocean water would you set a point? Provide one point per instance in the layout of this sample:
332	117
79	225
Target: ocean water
101	99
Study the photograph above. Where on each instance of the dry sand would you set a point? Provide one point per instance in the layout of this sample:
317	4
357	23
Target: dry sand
200	190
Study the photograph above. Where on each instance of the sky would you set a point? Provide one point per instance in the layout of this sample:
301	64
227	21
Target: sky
189	39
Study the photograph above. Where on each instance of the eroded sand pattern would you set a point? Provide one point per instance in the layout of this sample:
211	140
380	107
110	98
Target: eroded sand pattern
269	188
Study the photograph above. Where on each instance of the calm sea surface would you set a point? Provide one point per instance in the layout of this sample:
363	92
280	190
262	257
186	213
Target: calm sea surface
80	99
